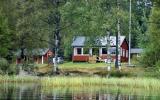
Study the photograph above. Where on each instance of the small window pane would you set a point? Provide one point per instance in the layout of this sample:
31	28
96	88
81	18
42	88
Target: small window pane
123	52
104	50
95	51
126	53
79	50
86	50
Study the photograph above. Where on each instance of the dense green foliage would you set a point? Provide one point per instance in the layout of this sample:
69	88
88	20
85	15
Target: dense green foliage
152	56
93	18
5	36
4	65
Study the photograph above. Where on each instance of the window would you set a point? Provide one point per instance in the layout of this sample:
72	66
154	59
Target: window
104	50
123	52
86	50
79	50
126	53
113	52
95	51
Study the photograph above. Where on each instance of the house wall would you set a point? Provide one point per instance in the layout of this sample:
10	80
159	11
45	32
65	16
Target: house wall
82	58
85	57
124	55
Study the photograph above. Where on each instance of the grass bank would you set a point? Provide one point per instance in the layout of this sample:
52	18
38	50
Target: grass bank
100	69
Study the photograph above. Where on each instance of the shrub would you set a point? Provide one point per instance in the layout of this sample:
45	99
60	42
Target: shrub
157	64
6	68
13	69
4	65
119	74
150	57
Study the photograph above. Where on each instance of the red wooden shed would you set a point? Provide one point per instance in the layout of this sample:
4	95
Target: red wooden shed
39	56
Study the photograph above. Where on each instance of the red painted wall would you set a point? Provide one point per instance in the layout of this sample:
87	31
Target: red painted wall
80	58
124	46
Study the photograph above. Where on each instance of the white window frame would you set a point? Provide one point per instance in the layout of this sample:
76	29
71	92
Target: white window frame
127	53
123	52
77	51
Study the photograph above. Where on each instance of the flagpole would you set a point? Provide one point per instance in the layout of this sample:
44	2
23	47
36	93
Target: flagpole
130	18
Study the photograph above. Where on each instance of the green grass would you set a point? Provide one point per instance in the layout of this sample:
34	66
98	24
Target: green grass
71	65
88	69
41	65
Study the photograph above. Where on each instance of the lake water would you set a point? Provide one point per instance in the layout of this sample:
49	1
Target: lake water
36	92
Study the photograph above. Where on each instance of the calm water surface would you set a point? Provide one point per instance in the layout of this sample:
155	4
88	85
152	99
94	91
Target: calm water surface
36	92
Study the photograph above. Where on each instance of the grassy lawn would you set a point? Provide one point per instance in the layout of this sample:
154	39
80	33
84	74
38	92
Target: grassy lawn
41	65
72	65
85	68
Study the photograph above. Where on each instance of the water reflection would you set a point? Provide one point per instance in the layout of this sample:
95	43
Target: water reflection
34	92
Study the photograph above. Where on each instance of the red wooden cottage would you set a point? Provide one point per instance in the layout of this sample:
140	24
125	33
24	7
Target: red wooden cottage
39	56
81	52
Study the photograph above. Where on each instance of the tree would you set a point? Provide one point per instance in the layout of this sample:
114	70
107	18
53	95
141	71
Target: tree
151	56
5	36
30	29
7	12
55	27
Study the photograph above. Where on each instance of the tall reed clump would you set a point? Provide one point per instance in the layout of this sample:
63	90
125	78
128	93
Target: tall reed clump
18	79
145	83
132	83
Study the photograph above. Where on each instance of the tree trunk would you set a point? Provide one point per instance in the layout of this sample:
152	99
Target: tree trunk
56	35
117	63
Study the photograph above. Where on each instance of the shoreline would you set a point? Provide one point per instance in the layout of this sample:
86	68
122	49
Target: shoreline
66	81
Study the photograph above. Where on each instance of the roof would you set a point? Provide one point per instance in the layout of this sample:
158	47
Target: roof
33	52
136	50
79	41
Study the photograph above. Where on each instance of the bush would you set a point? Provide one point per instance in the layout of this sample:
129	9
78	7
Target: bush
119	74
6	68
157	64
4	65
13	69
150	58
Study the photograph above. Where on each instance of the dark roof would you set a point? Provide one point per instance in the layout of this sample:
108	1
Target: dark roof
136	50
79	41
33	52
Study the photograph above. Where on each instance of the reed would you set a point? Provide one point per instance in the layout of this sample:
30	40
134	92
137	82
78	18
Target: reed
100	89
79	82
145	83
18	79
